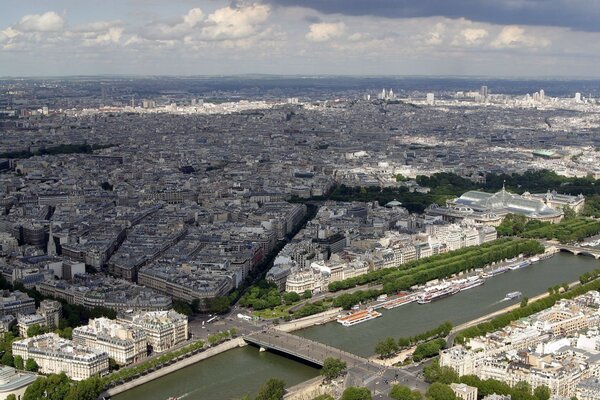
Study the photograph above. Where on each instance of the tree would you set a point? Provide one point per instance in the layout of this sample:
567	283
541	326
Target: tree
524	302
88	389
54	387
324	397
18	360
356	393
542	392
273	389
440	391
568	213
401	392
195	304
307	294
556	289
386	347
434	373
565	286
31	365
182	307
291	297
113	365
8	359
217	305
332	368
35	330
66	333
11	397
522	391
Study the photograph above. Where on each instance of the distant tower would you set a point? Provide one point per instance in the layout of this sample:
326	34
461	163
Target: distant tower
430	99
132	101
483	92
51	248
542	95
578	97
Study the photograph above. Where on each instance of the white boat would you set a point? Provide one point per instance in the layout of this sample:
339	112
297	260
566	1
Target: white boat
469	283
437	292
358	317
495	272
520	265
512	295
401	300
534	259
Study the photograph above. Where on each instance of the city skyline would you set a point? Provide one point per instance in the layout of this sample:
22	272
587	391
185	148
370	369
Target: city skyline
552	38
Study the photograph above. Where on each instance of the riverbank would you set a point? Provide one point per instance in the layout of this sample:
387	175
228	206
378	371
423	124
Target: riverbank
213	379
404	354
311	320
213	351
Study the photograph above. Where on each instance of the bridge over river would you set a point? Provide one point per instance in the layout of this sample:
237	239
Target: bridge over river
583	250
366	372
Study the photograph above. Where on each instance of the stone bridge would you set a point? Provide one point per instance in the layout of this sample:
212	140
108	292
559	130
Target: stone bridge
587	251
316	353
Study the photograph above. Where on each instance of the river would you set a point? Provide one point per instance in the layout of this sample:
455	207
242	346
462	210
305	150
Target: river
242	371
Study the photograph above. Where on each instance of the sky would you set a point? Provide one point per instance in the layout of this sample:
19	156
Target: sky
502	38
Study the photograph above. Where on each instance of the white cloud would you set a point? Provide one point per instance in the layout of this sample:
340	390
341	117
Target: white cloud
515	36
112	35
193	17
235	22
471	36
324	31
47	22
436	35
177	29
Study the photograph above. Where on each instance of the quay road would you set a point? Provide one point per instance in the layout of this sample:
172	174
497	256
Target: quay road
362	371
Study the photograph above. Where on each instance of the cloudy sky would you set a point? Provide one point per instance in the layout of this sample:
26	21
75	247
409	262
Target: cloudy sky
351	37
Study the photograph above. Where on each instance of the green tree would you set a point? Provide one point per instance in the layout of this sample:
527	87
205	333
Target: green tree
113	365
401	392
386	347
273	389
19	364
542	392
332	368
291	297
524	302
434	373
324	397
66	333
565	286
307	294
31	365
54	387
8	359
35	330
568	213
218	305
356	393
11	397
88	389
182	307
440	391
195	304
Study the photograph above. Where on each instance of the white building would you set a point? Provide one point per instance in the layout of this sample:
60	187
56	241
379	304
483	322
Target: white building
164	329
54	355
123	343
